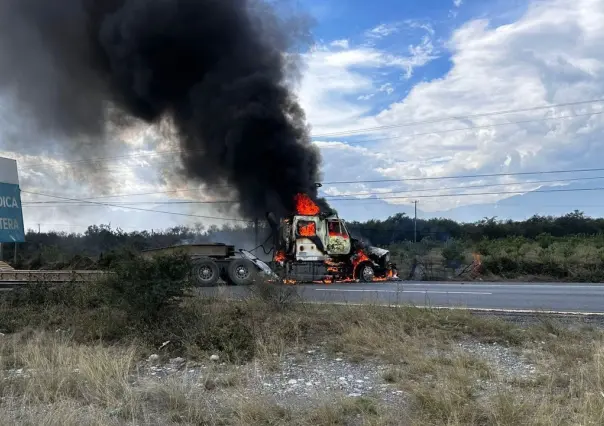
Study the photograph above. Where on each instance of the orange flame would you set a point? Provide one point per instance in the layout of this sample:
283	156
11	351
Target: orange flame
309	230
389	275
305	206
279	257
359	257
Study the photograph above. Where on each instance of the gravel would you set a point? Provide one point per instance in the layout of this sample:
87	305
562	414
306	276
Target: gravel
303	379
315	375
503	360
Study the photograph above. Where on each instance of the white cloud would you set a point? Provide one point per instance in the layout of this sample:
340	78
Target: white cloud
335	79
426	26
388	88
343	43
551	55
419	55
383	30
457	3
366	97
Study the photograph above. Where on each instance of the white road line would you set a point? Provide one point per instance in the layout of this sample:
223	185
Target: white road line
401	291
463	308
513	285
446	292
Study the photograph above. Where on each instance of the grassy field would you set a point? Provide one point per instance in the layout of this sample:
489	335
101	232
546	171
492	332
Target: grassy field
74	355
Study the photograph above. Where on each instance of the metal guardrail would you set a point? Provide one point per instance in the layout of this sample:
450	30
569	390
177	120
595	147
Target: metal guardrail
24	277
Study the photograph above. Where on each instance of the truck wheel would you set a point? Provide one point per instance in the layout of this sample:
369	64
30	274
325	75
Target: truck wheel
366	272
205	273
242	272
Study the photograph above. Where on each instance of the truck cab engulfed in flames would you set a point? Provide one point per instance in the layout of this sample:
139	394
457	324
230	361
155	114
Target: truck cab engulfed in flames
317	247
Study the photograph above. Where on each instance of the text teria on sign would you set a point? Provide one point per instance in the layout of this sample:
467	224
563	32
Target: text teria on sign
9	223
11	215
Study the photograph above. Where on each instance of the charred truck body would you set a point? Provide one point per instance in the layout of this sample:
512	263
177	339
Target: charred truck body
316	246
310	246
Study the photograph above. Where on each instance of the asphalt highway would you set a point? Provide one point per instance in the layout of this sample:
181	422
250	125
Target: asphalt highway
556	297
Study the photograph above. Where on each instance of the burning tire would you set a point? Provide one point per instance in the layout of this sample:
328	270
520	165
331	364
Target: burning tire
366	272
241	272
205	273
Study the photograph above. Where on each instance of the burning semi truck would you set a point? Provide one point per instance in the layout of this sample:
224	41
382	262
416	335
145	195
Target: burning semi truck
309	246
316	246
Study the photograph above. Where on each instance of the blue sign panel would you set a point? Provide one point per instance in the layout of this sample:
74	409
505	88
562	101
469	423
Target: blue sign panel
11	214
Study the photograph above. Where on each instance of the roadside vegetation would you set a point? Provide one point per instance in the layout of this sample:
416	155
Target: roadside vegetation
545	258
566	248
78	355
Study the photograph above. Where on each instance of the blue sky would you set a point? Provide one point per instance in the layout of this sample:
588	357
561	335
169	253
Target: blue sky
386	63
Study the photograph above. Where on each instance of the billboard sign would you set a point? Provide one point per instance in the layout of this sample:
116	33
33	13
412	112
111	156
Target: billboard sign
11	213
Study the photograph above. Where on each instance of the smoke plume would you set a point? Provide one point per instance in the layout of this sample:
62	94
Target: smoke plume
219	70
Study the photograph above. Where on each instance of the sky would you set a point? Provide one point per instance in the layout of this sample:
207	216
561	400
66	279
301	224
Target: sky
408	101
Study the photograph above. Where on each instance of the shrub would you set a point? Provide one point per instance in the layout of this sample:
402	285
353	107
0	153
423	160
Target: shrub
146	288
453	253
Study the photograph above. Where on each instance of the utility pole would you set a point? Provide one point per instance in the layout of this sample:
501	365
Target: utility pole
415	223
256	232
38	228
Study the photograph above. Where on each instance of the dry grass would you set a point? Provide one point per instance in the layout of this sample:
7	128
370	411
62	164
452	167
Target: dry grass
76	378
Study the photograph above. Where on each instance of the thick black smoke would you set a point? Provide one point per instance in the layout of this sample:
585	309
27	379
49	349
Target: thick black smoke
217	68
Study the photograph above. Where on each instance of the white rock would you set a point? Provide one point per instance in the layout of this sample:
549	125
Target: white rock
338	359
292	382
308	383
178	361
354	395
153	358
214	358
359	381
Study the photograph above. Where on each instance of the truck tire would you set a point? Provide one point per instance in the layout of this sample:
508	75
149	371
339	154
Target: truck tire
365	272
242	272
205	273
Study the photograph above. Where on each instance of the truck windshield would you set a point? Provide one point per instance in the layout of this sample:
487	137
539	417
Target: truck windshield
336	229
307	228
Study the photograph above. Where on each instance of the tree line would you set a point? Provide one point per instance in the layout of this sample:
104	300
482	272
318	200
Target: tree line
400	227
99	239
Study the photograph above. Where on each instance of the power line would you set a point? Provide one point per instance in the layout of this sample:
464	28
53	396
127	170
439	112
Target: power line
118	157
435	132
127	206
466	176
486	126
443	119
328	197
469	186
139	209
474	193
546	172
